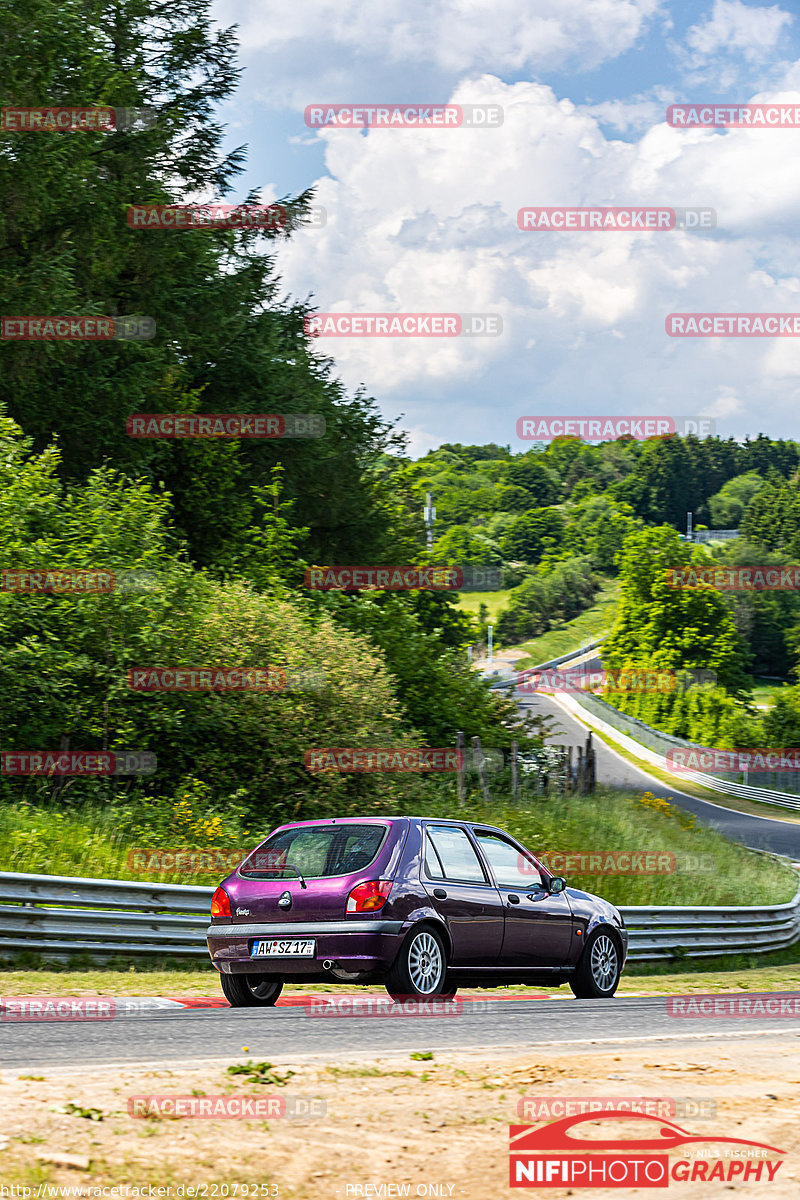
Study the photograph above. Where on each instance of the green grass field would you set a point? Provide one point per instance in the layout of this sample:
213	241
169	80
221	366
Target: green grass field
494	601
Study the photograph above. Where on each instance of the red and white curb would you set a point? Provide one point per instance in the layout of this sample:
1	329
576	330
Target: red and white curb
66	1008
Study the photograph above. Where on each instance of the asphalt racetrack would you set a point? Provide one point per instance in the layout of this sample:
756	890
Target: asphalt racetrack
181	1038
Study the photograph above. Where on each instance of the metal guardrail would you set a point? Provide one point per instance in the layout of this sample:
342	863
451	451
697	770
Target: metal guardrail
59	916
551	662
661	743
705	932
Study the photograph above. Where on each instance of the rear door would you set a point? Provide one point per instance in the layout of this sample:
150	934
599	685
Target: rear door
459	889
538	925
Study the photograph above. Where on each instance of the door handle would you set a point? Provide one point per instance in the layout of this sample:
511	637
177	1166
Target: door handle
440	893
512	899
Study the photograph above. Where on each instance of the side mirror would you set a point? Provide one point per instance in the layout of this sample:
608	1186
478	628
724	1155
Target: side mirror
557	884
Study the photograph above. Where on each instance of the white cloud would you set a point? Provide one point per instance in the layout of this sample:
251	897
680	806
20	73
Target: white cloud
741	28
323	50
425	221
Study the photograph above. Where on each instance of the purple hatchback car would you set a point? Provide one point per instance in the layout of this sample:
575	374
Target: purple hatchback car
418	904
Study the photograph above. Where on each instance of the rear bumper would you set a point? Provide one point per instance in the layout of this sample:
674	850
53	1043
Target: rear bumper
358	945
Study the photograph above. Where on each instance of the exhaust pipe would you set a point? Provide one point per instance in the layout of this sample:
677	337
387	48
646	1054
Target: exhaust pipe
327	964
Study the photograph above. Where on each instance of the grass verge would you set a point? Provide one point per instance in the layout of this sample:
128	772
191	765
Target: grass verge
586	627
777	971
701	865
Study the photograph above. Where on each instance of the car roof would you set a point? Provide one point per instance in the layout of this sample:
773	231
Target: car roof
374	817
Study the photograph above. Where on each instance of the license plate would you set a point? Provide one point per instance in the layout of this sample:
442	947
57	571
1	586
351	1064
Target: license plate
284	948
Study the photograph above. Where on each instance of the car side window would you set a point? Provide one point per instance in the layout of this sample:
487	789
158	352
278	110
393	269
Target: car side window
433	864
449	854
512	867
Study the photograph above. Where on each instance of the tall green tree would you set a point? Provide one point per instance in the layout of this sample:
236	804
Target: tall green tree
664	627
225	338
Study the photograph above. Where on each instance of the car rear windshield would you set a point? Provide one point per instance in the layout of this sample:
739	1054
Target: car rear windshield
315	852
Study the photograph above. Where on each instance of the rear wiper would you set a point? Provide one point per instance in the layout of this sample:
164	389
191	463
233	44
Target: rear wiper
269	872
291	867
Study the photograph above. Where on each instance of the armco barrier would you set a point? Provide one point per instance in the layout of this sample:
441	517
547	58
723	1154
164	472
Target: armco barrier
53	914
551	662
60	916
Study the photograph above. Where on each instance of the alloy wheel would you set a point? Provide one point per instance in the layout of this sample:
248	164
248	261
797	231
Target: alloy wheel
604	962
425	963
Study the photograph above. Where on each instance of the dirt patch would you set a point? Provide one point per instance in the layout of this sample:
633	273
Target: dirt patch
431	1124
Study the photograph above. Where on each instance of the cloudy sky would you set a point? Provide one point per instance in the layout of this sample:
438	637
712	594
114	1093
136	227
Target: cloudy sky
426	220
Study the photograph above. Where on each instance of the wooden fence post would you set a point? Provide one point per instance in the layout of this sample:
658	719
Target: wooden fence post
514	769
480	762
462	766
591	765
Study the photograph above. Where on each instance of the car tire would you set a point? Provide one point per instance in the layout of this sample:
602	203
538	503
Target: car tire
596	976
449	989
420	970
251	991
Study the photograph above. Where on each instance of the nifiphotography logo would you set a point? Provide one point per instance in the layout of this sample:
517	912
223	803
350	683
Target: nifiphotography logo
596	1150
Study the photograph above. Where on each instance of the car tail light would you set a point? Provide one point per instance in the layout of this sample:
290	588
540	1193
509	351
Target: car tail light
369	896
220	903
